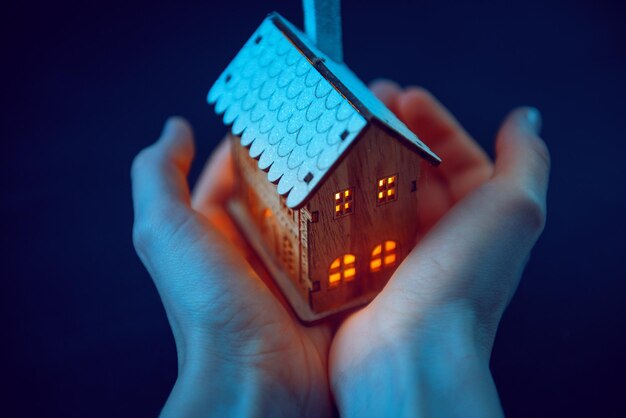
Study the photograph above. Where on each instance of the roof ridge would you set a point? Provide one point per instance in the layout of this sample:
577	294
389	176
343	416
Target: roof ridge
297	111
318	59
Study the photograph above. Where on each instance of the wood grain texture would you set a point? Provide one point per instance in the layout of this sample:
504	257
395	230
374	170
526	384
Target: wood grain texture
298	247
374	156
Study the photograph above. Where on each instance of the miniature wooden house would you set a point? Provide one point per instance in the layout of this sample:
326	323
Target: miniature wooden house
326	174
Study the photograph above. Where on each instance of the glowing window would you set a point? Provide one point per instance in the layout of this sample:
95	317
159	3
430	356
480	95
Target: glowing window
342	269
343	202
383	255
387	189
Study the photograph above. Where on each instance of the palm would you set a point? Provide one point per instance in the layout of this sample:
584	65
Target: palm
223	307
294	348
284	349
389	320
222	314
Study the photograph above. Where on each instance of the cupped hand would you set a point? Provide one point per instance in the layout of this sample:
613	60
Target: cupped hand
422	347
241	353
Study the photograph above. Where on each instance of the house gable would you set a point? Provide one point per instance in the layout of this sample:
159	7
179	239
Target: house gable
292	119
296	110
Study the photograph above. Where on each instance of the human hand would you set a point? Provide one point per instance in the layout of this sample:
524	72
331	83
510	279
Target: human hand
240	352
422	347
238	347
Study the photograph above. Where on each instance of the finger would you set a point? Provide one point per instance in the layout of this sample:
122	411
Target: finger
465	165
512	205
388	92
217	179
435	198
523	159
166	227
480	247
159	172
210	195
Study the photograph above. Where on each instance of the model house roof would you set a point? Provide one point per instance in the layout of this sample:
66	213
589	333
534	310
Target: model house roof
297	110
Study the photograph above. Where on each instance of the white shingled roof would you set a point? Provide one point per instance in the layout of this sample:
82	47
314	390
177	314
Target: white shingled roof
296	109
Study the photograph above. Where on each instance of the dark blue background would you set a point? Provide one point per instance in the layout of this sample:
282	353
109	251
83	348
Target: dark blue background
86	85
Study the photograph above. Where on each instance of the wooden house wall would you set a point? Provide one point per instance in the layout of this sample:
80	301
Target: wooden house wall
374	156
278	226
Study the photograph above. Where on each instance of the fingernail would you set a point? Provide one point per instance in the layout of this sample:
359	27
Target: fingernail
168	128
533	118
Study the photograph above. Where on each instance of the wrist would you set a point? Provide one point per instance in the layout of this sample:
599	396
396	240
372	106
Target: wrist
215	382
220	389
439	367
206	391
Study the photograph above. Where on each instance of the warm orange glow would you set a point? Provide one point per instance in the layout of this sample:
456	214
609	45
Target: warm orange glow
375	264
343	203
342	267
390	259
349	273
267	213
383	255
387	188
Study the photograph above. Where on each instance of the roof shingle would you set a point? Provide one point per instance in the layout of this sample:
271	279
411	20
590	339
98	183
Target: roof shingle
297	118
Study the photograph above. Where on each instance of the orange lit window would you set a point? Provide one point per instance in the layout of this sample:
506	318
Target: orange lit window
387	189
384	255
343	202
342	269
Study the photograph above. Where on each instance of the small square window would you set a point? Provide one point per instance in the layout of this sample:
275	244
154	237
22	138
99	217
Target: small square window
387	189
344	201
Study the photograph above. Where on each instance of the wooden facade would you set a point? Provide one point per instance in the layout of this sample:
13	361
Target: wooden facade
368	242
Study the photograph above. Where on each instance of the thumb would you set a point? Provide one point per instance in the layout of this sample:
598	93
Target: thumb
161	197
181	250
159	172
523	160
